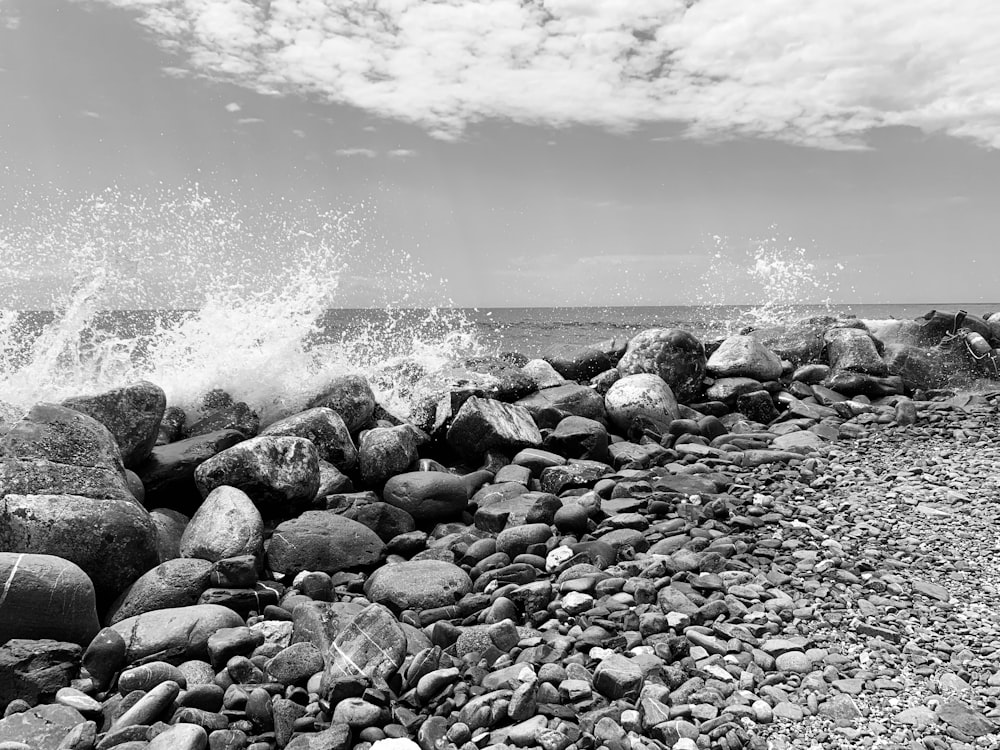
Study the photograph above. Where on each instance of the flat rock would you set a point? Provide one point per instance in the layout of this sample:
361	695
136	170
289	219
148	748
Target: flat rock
177	634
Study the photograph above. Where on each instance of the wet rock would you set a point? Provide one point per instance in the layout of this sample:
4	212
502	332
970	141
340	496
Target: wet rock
641	398
579	437
387	451
170	526
418	584
323	541
568	399
54	450
168	473
46	597
176	634
676	356
744	356
386	520
427	495
542	374
113	541
325	429
175	583
132	414
757	406
485	424
351	397
227	524
280	474
853	350
233	415
577	362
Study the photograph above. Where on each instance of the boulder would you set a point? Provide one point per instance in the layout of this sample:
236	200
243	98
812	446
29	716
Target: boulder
113	541
321	540
913	365
46	597
325	429
427	495
40	728
131	413
418	584
227	524
280	474
57	450
371	645
385	520
351	397
498	512
36	669
568	399
229	416
800	342
385	451
175	583
729	389
853	350
744	356
671	353
577	362
168	473
486	424
175	635
643	397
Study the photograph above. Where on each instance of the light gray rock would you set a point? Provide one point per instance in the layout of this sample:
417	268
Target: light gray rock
427	495
174	583
418	584
325	429
673	354
483	424
372	644
645	397
177	634
351	397
227	524
744	356
853	350
386	451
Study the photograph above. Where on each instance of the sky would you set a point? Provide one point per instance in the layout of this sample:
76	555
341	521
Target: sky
505	152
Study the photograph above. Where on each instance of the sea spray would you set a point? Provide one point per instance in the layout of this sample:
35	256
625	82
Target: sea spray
197	292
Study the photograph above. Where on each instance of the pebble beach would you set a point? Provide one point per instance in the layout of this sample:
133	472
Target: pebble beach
780	539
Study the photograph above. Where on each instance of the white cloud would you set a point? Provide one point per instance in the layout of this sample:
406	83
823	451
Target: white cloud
366	152
249	120
233	107
91	114
402	153
815	72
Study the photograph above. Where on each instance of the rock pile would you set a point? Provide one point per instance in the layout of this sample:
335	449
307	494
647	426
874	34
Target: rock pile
680	551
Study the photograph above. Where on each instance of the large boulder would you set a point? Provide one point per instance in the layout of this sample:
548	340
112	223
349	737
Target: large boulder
36	669
385	451
60	451
483	424
854	350
427	495
45	596
579	437
418	584
321	540
170	527
131	413
227	524
643	398
800	342
113	541
351	397
280	474
325	429
168	473
913	364
744	356
386	520
566	399
174	583
673	354
175	635
40	728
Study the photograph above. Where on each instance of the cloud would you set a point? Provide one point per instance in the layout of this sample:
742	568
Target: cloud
366	152
812	72
91	114
402	153
233	107
249	120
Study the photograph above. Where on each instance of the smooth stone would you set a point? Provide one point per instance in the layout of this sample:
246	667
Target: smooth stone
322	541
175	583
325	429
227	524
427	495
180	633
372	645
418	585
643	397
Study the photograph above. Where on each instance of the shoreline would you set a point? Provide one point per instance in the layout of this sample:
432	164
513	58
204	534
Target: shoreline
590	550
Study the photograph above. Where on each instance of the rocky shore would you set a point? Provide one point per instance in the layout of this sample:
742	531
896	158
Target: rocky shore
778	540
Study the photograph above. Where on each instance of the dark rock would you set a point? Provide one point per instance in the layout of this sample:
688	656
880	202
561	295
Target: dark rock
234	416
168	473
427	495
418	585
34	669
674	355
485	424
579	437
175	583
386	451
295	664
171	425
577	363
385	520
177	634
322	540
853	350
757	406
170	525
565	400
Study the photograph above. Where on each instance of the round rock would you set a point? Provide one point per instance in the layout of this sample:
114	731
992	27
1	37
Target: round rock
46	597
322	540
644	397
427	495
418	584
227	524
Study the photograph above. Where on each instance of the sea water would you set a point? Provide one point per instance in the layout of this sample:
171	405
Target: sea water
197	293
